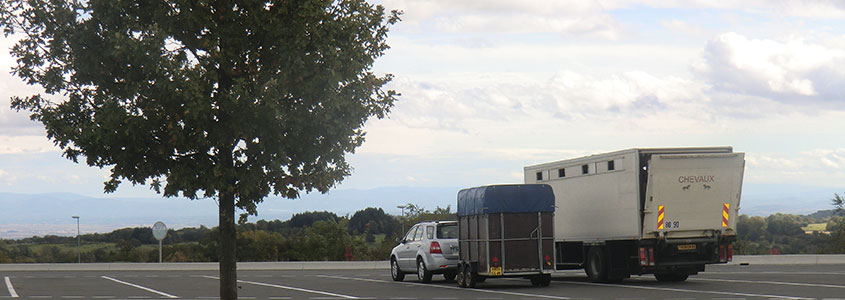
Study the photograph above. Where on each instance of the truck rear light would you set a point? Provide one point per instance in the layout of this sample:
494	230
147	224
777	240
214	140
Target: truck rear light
730	252
650	256
643	257
495	261
723	254
435	248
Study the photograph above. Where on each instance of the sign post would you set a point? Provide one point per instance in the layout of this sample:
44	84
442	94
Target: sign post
159	232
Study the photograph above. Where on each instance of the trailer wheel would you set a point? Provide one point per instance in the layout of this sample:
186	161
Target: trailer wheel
395	272
470	276
671	277
541	280
596	267
461	276
422	273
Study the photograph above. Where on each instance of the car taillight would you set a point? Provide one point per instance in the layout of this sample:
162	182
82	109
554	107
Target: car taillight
435	248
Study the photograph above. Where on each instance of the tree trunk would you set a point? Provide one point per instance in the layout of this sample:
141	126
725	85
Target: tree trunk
228	240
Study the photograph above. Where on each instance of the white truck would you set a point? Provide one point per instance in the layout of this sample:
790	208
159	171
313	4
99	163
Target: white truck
661	211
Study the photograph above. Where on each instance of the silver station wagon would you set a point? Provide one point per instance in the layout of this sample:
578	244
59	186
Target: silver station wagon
428	248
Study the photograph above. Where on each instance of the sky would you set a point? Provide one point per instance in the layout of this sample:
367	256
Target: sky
491	86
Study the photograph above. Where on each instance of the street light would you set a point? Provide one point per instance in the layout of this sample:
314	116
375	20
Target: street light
78	241
402	207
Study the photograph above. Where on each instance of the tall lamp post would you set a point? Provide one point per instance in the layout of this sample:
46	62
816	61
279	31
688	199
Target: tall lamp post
78	241
402	207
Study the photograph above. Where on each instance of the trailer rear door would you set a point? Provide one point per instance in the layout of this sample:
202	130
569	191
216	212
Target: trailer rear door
693	195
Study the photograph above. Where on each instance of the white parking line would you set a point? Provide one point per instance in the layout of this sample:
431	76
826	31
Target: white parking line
11	288
290	288
773	282
140	287
447	287
684	290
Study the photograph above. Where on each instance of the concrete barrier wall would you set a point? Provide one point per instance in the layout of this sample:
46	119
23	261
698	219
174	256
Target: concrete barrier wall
247	266
362	265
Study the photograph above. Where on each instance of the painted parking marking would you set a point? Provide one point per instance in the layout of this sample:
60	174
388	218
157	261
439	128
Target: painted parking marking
686	290
447	287
290	288
773	282
140	287
11	288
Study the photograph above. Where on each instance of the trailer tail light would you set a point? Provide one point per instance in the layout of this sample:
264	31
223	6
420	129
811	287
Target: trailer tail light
643	257
650	256
730	252
548	260
435	248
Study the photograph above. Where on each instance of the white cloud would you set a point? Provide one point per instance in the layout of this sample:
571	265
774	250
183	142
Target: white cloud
455	104
792	71
586	18
684	27
25	144
813	9
820	167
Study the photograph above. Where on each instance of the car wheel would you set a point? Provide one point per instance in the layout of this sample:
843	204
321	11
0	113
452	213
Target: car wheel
422	273
395	272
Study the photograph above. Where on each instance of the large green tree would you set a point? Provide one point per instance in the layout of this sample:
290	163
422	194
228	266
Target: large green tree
222	99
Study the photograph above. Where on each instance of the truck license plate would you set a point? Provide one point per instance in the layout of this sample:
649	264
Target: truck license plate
686	247
495	271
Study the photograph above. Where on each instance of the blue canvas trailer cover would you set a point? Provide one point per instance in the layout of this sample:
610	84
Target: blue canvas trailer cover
513	198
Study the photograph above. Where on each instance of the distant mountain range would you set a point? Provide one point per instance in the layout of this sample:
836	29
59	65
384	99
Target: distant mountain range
25	215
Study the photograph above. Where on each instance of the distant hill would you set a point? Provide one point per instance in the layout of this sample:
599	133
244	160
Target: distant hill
25	215
822	214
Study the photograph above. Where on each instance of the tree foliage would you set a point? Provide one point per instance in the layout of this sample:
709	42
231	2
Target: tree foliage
222	99
372	220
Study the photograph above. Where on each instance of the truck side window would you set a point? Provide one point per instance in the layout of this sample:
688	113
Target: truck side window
429	232
419	235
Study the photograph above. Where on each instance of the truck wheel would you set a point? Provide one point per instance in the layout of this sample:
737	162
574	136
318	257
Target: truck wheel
395	272
671	277
596	267
462	282
422	273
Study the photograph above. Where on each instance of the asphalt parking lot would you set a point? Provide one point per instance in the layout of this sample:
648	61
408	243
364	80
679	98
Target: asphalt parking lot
719	282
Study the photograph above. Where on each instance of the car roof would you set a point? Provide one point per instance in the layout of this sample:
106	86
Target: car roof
438	222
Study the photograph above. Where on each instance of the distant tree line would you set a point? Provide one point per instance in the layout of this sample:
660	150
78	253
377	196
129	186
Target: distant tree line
369	234
784	233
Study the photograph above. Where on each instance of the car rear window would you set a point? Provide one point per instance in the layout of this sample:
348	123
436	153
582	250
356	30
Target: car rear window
447	231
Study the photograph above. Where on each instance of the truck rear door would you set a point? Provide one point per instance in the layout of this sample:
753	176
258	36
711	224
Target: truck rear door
692	195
